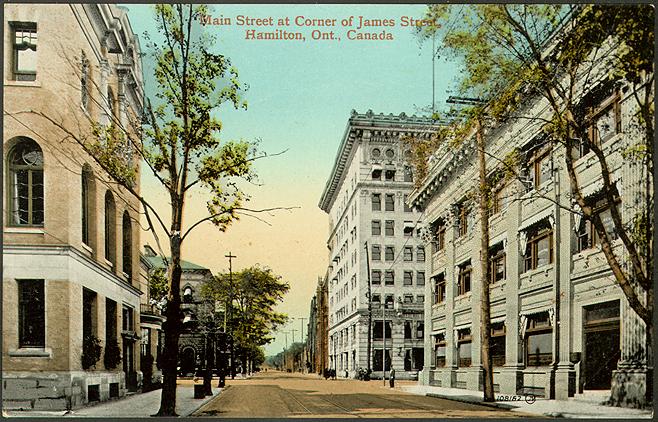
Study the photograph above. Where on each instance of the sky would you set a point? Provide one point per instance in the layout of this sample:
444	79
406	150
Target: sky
299	99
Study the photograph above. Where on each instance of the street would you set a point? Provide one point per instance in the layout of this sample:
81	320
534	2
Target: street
276	394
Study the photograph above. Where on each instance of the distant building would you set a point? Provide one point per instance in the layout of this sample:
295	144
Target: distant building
365	198
193	340
151	336
316	342
71	236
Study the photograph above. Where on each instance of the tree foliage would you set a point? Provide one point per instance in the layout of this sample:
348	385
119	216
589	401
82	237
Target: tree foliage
251	297
515	54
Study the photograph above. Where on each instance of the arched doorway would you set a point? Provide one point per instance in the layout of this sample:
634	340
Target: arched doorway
187	361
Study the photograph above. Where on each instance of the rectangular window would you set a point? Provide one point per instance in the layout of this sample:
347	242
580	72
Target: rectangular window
128	320
420	298
390	175
376	277
376	253
390	228
376	299
389	278
497	348
25	50
440	288
376	227
408	253
407	330
408	174
420	278
408	229
389	253
376	202
541	168
497	264
408	299
389	202
440	236
407	280
31	314
464	348
605	116
110	320
464	280
420	329
377	360
539	248
464	216
377	332
420	254
539	340
440	350
499	199
88	313
407	208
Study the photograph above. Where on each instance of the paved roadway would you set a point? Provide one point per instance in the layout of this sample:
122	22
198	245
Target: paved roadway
275	394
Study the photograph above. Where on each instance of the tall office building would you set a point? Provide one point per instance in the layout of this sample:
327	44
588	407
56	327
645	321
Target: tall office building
373	239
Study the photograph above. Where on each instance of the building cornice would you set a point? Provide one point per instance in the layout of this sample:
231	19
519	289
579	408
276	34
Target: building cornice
398	124
70	252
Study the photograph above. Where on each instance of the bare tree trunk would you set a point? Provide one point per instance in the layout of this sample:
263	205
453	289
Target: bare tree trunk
485	330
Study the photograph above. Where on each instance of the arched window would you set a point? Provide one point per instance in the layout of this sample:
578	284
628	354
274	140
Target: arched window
84	82
127	245
26	207
110	228
86	204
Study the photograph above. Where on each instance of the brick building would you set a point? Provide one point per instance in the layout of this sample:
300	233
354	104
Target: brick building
71	236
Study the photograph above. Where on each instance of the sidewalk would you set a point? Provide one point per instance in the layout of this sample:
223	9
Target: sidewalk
578	407
134	406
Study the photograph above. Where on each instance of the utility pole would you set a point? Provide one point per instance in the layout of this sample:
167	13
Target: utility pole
229	306
369	294
304	357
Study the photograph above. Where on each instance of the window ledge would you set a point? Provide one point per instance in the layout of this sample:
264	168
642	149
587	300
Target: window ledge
543	269
30	84
24	230
32	352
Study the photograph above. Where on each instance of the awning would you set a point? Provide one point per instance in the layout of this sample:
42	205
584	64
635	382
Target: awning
502	237
547	213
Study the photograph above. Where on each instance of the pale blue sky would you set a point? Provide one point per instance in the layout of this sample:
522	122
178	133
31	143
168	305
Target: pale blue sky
300	97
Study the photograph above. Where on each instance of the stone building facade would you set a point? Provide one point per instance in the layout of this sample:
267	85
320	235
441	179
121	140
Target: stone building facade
71	236
151	319
193	342
560	323
365	200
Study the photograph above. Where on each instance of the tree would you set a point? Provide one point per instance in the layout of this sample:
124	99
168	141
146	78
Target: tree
515	52
251	296
177	138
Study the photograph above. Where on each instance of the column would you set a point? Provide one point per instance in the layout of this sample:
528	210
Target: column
564	384
511	376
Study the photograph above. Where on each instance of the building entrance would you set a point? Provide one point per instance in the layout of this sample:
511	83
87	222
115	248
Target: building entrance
601	345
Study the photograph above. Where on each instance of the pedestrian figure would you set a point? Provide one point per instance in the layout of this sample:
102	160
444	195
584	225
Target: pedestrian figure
391	378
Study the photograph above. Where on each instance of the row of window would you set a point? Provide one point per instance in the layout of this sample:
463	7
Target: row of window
389	202
389	228
538	344
389	277
27	207
389	174
32	314
388	300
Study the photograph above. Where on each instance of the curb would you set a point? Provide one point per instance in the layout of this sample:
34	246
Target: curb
472	401
205	402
